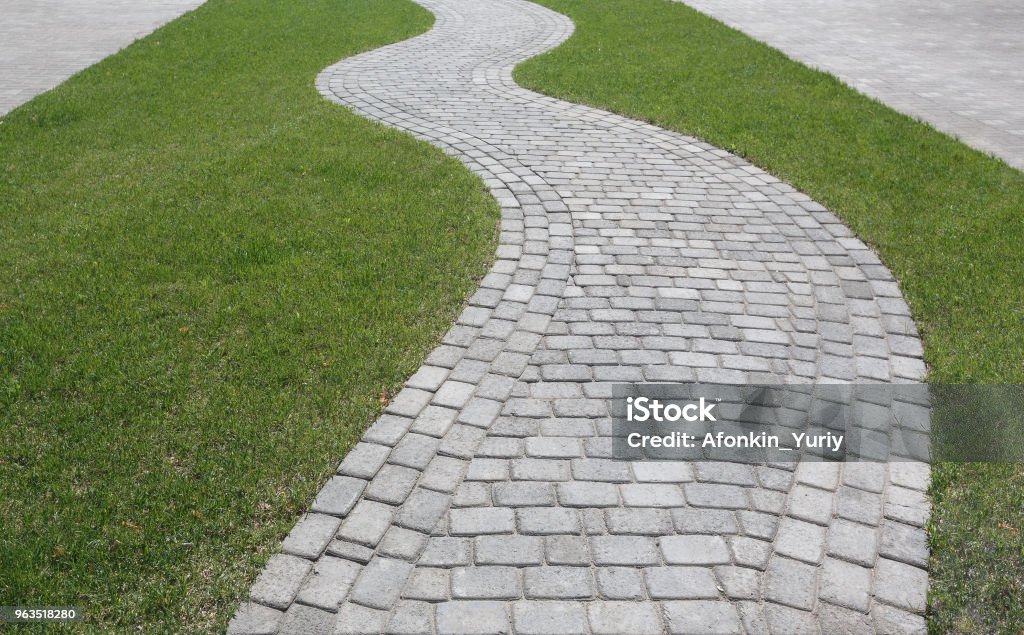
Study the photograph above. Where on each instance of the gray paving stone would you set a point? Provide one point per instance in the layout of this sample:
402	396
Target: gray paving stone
644	522
702	616
623	550
485	583
905	543
900	585
473	617
888	619
845	584
704	521
549	618
750	552
694	549
380	583
392	484
853	542
482	520
339	495
509	550
402	543
791	583
625	618
739	583
354	619
307	620
367	523
620	583
544	520
412	618
523	494
442	551
329	582
554	582
350	551
422	510
311	535
680	583
364	460
280	581
800	540
255	619
428	584
786	619
568	550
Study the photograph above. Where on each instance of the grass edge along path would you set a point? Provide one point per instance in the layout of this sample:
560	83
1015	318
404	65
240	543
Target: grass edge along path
210	277
946	219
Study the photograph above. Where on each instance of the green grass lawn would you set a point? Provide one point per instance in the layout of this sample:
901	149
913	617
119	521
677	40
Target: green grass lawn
208	277
947	220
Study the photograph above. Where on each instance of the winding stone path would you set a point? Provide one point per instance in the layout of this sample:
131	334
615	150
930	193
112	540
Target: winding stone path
44	42
485	501
957	64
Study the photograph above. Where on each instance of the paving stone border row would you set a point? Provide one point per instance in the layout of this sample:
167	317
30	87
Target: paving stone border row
485	498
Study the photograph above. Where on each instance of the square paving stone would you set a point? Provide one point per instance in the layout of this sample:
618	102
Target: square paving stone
311	535
367	523
380	583
280	580
392	484
791	583
329	583
852	541
901	585
845	584
800	540
339	495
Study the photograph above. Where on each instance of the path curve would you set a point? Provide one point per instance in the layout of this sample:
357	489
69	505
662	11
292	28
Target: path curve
484	499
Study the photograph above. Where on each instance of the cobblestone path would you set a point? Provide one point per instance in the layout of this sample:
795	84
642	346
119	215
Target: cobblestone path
485	501
957	64
44	42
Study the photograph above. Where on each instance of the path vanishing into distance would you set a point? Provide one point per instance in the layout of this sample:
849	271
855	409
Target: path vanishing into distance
44	42
485	500
957	64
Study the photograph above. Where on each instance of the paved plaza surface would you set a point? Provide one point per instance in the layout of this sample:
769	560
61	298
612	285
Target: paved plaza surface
44	42
485	500
957	64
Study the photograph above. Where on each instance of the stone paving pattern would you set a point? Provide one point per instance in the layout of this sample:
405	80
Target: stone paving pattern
44	42
485	500
957	64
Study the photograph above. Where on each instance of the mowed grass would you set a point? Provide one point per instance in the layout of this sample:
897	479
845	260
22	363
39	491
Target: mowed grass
947	220
209	278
